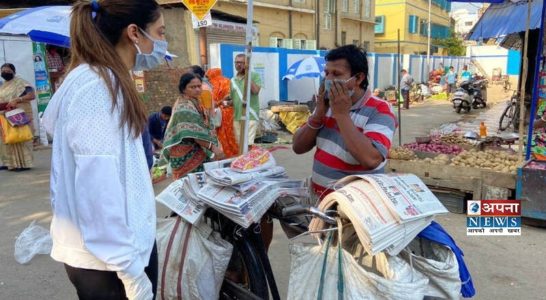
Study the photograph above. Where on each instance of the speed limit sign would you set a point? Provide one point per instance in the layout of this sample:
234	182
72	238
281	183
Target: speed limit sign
207	21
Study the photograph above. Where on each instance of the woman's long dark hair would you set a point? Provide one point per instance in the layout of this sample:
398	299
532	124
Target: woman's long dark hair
93	42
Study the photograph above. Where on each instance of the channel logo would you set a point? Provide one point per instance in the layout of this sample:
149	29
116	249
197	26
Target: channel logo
493	217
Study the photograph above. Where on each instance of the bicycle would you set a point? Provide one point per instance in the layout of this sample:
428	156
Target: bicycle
255	279
510	115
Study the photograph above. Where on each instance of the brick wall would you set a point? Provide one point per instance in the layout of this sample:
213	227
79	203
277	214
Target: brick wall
161	87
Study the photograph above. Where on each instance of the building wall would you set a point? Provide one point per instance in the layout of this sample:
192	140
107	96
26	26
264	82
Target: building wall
274	21
161	87
180	35
397	16
464	23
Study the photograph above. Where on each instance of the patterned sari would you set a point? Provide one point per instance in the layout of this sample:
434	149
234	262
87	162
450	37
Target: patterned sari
188	122
16	156
221	89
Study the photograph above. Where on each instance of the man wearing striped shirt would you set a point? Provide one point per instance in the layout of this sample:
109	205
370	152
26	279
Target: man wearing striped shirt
351	129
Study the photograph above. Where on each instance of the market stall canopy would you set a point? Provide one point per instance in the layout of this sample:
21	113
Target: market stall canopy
47	24
502	19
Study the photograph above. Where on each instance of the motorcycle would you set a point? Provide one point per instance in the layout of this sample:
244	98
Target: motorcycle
479	92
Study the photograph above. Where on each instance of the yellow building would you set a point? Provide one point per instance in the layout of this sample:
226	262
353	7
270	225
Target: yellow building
411	17
298	24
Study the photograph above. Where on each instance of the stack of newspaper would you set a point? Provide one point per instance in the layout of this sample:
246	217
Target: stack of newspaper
243	181
181	196
242	197
386	210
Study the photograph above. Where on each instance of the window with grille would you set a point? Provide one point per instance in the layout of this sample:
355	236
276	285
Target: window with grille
329	6
327	24
356	6
379	25
367	8
413	26
345	5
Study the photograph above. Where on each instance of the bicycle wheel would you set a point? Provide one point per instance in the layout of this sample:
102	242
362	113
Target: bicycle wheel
506	117
515	118
245	278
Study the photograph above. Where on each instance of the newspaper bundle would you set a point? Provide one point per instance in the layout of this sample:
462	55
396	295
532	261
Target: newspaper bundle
181	197
242	197
386	210
229	177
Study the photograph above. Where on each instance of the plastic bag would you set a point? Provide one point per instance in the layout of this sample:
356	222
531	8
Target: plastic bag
340	269
439	264
216	117
192	260
35	239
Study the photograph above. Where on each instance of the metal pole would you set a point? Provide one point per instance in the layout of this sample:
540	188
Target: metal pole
203	46
428	37
243	148
523	84
399	93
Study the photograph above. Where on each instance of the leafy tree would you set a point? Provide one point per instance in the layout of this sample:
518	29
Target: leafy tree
453	44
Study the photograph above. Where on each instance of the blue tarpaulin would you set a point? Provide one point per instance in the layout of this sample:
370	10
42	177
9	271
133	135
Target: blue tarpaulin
506	18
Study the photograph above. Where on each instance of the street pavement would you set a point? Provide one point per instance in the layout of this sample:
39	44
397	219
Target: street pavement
502	267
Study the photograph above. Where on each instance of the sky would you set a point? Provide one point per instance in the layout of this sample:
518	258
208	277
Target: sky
471	7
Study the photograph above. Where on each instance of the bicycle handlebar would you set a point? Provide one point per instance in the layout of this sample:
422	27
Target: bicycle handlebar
300	209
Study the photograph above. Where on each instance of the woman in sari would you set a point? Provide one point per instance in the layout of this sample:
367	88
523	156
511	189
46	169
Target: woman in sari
221	88
16	93
189	139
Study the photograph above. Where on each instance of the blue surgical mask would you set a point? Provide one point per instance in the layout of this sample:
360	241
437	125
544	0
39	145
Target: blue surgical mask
328	85
147	61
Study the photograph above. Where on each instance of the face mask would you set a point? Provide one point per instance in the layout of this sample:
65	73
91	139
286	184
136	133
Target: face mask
328	85
149	61
7	76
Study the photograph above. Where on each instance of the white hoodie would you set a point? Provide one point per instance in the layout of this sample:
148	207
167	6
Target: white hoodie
101	193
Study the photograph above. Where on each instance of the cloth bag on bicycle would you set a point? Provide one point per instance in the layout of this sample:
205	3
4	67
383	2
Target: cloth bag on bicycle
330	272
192	260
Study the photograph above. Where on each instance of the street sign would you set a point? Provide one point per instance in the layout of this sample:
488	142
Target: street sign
207	21
199	8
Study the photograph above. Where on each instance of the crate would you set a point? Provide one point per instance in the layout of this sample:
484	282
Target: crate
454	201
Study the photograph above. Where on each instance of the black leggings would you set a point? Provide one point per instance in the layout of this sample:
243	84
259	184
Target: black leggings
105	285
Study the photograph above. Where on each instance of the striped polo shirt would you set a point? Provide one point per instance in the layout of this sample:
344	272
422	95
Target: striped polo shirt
375	119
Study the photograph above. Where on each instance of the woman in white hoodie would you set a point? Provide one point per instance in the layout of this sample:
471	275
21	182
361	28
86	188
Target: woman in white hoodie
103	225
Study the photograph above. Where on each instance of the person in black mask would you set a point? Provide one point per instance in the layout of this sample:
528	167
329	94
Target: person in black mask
16	93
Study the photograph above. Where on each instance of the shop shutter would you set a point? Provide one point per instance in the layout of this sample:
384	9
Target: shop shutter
225	37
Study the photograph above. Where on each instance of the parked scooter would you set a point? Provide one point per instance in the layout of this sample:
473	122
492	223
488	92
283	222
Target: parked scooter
479	91
469	95
461	100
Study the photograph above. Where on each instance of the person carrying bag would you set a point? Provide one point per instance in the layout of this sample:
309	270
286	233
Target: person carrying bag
14	134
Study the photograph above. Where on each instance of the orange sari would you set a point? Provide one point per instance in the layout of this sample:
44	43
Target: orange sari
220	90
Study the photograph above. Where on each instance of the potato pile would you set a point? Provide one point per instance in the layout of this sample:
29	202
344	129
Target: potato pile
454	139
442	159
494	160
401	153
